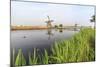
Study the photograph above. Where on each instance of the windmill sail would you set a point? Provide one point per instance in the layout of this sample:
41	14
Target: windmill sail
49	25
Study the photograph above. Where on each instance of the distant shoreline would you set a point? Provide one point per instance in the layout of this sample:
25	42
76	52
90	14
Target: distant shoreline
14	28
28	27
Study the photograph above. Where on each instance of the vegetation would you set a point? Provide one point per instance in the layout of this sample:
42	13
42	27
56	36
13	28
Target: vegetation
45	57
33	58
20	60
56	26
79	48
60	26
93	20
13	57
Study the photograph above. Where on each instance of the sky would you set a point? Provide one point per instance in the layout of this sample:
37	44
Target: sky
35	14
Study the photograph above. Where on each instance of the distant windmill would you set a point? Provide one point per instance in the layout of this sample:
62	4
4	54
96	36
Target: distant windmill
49	25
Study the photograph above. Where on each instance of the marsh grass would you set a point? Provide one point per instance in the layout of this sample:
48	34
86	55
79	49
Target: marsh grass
33	57
79	48
45	57
20	59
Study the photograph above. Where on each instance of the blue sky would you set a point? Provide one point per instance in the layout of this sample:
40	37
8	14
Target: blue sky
31	13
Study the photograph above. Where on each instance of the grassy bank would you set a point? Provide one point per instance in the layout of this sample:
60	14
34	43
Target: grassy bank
79	48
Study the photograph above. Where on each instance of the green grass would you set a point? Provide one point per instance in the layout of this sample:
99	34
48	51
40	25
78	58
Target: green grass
79	48
33	58
20	59
45	57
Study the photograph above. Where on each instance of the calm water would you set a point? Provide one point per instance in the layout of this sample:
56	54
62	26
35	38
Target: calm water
29	39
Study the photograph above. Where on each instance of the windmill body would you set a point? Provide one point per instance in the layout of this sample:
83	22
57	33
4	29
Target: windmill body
49	25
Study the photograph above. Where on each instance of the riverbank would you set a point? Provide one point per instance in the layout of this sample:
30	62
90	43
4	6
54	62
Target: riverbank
13	28
79	48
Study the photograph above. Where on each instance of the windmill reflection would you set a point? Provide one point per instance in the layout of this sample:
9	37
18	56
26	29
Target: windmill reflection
49	33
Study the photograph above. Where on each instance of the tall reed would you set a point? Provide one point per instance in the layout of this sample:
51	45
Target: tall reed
76	49
20	59
33	57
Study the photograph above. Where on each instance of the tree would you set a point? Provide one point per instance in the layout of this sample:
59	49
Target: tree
60	25
56	26
93	20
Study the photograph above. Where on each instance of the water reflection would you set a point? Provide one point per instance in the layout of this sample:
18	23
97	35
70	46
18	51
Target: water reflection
75	29
61	30
49	33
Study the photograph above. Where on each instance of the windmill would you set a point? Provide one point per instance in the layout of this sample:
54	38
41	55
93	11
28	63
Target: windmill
49	25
